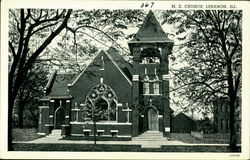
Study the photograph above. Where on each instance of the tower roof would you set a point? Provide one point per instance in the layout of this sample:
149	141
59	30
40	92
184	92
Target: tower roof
150	31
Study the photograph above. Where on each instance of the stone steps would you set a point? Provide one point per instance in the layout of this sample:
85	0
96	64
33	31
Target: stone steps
150	136
150	139
55	133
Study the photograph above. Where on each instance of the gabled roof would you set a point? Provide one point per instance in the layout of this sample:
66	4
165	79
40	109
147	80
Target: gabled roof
117	60
151	31
59	85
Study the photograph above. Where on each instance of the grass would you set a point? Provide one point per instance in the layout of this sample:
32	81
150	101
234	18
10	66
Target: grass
220	138
25	134
74	147
114	148
208	138
31	134
184	137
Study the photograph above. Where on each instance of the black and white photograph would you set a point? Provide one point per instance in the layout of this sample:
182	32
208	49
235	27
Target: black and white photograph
105	78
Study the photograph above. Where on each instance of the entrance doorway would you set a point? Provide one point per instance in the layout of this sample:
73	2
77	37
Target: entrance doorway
153	121
59	117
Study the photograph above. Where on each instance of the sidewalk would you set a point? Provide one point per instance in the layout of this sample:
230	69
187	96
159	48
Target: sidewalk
58	140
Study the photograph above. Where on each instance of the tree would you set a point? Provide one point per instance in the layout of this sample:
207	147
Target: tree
29	95
25	25
31	31
210	52
102	28
94	114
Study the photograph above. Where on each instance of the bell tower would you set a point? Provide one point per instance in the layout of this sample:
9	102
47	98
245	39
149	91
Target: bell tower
150	48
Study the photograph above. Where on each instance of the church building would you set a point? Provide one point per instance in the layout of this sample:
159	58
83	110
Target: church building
118	98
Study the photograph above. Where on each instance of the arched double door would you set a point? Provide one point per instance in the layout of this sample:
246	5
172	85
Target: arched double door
153	120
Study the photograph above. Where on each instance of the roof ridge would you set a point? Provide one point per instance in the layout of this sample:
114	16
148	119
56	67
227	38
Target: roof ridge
117	66
50	81
111	53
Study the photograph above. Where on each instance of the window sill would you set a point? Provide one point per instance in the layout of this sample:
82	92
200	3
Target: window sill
152	94
103	123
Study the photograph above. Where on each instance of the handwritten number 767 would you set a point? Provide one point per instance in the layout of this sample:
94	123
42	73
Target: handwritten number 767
147	5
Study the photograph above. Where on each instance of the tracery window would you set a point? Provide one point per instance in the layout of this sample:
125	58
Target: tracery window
102	102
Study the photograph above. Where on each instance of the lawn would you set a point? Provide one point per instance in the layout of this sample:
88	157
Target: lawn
208	138
114	148
31	134
184	137
25	134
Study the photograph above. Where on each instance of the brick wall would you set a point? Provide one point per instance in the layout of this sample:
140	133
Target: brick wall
124	130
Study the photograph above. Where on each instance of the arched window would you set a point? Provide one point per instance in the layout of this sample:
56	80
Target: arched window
102	101
146	85
156	85
150	55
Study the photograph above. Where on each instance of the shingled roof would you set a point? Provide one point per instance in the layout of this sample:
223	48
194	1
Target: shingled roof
150	30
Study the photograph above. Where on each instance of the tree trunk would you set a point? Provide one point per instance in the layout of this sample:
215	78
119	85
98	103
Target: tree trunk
20	114
233	147
10	110
94	121
232	98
